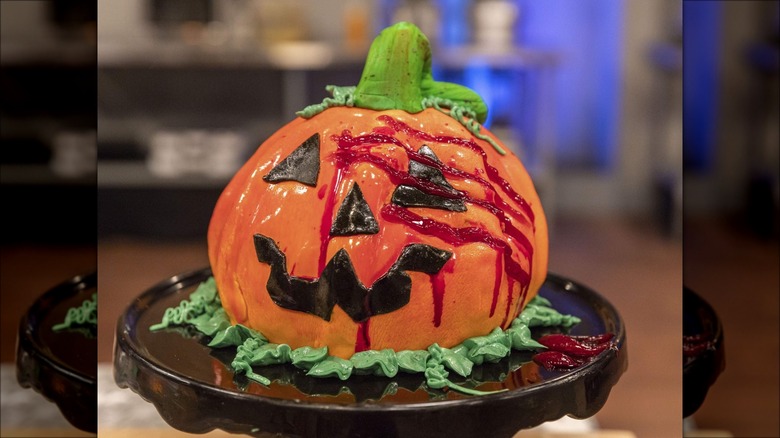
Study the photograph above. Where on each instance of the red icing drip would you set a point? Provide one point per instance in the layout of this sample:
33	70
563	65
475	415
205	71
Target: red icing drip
497	284
556	360
321	192
353	149
506	225
363	340
509	297
437	288
695	345
327	217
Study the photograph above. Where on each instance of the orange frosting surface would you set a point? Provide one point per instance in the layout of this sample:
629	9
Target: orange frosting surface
474	292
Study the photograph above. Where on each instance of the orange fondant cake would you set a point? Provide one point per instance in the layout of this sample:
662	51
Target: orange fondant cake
385	218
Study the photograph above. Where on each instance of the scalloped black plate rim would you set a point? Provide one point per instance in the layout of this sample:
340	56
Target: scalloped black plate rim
182	281
78	403
701	303
73	286
702	372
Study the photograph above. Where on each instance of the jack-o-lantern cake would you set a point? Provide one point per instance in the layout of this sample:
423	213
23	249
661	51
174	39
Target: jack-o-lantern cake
382	231
382	223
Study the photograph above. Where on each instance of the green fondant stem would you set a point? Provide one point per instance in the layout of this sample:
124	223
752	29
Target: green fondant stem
397	75
396	63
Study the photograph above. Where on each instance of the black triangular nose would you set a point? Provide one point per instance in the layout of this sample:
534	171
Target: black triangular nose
354	216
302	165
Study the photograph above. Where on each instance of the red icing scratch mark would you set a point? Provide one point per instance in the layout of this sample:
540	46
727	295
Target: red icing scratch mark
358	149
327	217
353	149
492	172
457	236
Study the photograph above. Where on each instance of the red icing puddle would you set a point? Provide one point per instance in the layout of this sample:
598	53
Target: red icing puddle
694	345
566	352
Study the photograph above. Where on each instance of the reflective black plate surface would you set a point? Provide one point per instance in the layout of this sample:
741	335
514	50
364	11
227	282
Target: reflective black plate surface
195	391
62	366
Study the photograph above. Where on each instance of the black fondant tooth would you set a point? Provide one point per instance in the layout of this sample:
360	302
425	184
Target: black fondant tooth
338	283
302	165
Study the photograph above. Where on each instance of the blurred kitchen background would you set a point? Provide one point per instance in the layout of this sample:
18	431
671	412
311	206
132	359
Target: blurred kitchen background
48	150
731	160
589	95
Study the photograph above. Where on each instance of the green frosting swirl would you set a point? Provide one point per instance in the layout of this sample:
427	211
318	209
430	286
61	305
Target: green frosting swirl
306	357
332	366
204	301
342	96
412	361
378	363
204	311
84	315
463	115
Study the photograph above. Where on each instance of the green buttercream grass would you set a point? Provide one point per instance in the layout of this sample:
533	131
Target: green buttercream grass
84	315
203	310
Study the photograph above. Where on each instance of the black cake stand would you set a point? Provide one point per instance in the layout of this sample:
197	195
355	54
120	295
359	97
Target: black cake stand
62	366
194	389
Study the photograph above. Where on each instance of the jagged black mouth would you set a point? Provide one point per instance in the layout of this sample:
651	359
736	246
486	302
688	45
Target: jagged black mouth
338	283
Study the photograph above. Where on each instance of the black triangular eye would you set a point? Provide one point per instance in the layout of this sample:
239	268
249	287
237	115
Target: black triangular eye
302	165
429	173
354	216
409	196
